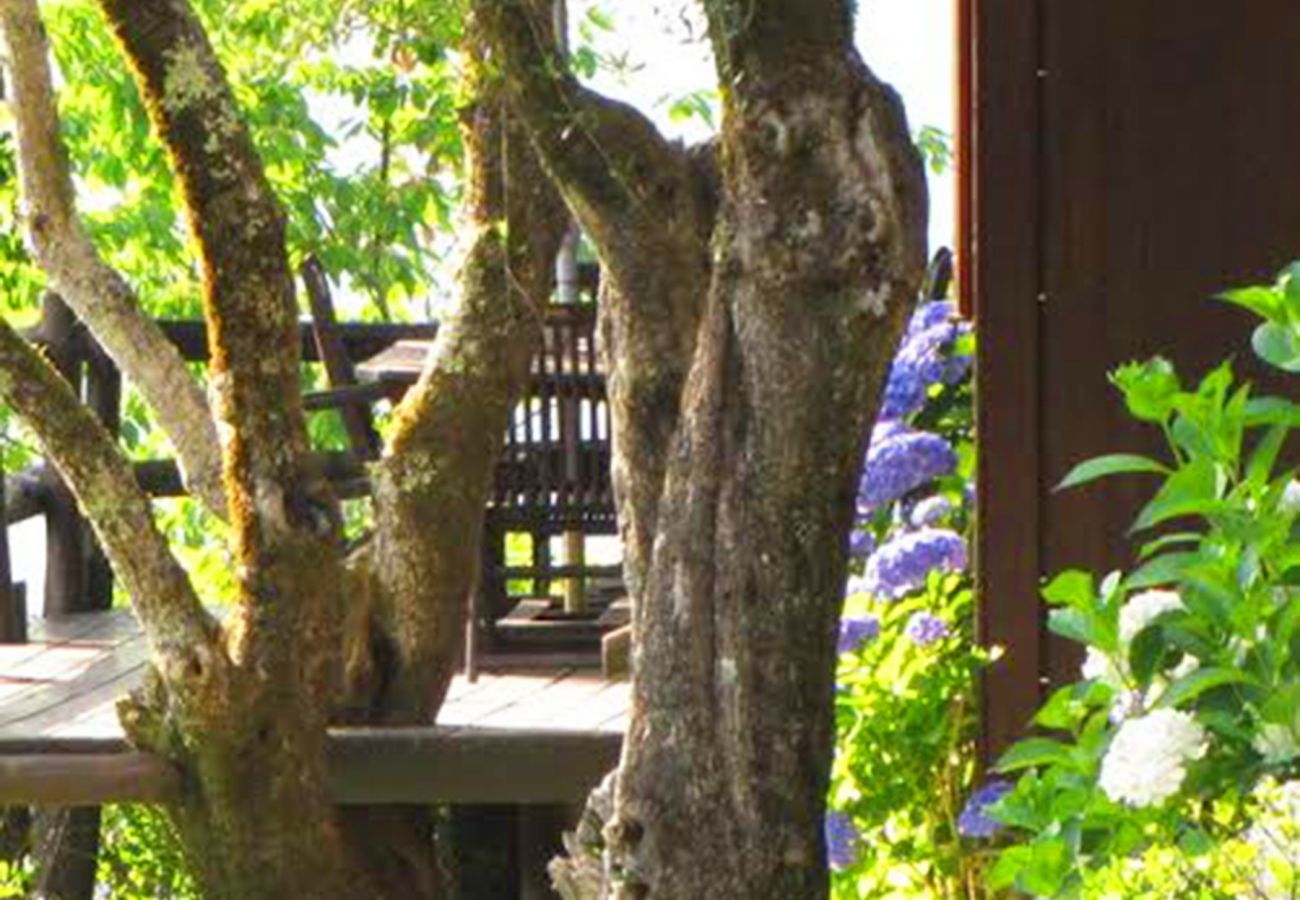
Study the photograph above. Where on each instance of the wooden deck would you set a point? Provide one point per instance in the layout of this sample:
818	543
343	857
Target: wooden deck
518	736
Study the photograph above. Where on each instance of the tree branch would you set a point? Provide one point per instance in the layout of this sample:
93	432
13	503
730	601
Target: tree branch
99	295
650	207
183	637
277	502
432	486
759	43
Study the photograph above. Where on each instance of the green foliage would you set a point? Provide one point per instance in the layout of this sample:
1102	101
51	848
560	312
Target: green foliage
140	857
1162	757
905	762
351	107
935	145
906	715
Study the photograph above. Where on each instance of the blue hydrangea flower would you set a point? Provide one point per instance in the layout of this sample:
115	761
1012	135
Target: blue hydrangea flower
973	821
841	840
928	315
901	566
922	361
857	631
862	543
931	511
902	462
924	628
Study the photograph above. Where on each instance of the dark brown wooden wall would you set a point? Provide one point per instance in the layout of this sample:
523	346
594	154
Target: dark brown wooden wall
1128	159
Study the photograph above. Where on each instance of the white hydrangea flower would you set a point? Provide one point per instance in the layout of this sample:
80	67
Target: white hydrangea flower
1186	666
1289	503
1097	666
1276	743
1126	705
1142	609
1147	759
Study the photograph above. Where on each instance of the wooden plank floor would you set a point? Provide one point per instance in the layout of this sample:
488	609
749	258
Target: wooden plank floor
63	685
57	695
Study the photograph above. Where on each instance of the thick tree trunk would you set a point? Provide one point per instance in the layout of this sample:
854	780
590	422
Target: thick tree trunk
736	487
242	710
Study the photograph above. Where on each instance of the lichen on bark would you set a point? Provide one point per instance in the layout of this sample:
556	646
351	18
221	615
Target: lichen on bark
794	255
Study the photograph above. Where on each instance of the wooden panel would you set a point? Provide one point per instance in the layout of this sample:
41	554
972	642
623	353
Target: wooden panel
1003	250
1128	159
1169	134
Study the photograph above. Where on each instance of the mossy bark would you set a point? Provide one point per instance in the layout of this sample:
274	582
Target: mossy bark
242	711
799	243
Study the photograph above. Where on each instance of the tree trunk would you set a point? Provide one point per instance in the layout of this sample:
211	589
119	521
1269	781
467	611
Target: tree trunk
318	635
797	244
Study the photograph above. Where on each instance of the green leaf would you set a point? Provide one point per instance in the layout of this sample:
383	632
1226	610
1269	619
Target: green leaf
1071	624
1169	540
1265	454
1277	345
1111	464
1271	411
1265	302
1192	490
1072	587
1189	687
1145	654
1161	570
1035	751
1149	388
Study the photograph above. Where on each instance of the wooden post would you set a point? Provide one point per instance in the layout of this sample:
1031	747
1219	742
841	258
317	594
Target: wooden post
67	845
65	532
339	370
13	608
68	839
104	397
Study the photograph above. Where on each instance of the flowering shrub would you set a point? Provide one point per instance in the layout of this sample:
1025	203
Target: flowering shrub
1170	768
905	708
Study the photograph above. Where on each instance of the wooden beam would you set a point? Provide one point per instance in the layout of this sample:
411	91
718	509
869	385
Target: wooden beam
433	765
362	339
86	779
367	765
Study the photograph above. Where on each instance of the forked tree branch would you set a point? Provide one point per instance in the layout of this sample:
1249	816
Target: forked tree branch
179	630
432	485
623	180
248	285
650	207
99	294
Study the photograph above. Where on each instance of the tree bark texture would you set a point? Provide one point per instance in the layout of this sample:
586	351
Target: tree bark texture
757	289
242	710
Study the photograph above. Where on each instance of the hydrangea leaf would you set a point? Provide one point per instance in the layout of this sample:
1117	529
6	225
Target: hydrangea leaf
1192	490
1161	570
1035	751
1110	464
1265	302
1277	345
1189	687
1149	388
